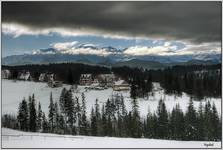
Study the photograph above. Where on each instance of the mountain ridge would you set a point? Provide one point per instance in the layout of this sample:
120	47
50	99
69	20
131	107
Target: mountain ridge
110	56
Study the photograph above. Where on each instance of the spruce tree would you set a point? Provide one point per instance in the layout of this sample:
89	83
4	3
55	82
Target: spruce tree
77	114
191	128
23	116
32	115
162	117
177	124
83	122
136	124
94	128
215	123
133	92
201	120
51	114
45	124
57	119
208	121
62	100
70	113
104	122
39	118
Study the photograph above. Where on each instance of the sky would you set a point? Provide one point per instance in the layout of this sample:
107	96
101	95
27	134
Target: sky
134	28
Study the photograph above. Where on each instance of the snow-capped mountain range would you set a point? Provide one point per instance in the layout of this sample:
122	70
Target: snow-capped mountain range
93	54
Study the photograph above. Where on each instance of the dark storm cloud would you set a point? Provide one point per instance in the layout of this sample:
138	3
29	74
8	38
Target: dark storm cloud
197	21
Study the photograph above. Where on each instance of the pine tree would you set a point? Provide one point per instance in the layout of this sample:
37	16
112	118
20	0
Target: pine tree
62	100
77	114
32	114
215	123
62	125
177	123
201	120
207	121
136	124
51	114
97	110
162	117
63	116
191	129
94	128
104	122
122	114
39	118
83	123
96	118
133	91
151	125
23	115
45	124
70	113
57	119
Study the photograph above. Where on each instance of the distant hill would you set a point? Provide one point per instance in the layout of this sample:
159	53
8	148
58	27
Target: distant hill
141	63
194	62
108	56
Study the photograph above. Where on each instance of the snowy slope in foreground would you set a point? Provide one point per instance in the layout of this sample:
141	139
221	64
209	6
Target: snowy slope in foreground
17	139
13	93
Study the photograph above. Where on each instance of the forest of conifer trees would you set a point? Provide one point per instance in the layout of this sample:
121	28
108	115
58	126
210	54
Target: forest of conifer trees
198	81
112	119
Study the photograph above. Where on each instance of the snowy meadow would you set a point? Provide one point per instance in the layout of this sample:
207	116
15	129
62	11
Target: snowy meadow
21	89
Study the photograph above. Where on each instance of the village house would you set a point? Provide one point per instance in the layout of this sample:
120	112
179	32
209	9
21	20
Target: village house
106	79
50	78
46	77
24	75
121	85
43	77
86	79
5	74
51	81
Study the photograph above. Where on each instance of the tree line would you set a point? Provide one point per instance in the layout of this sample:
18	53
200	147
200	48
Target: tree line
199	81
113	119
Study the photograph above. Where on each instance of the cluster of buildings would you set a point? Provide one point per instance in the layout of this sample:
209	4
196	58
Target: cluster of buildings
50	78
100	81
104	81
22	75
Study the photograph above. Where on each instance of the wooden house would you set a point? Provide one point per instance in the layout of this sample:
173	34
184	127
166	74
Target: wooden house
121	85
86	79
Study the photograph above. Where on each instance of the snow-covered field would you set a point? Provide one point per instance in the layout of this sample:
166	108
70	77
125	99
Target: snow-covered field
17	139
13	93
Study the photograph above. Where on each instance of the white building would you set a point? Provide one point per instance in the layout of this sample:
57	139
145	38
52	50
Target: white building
24	75
121	85
42	77
5	74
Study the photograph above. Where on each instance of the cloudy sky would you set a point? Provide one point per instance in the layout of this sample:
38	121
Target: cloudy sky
135	28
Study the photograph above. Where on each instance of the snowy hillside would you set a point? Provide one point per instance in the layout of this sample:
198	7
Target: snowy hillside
17	139
13	92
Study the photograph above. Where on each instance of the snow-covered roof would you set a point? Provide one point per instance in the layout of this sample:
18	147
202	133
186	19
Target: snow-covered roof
25	76
86	75
120	82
